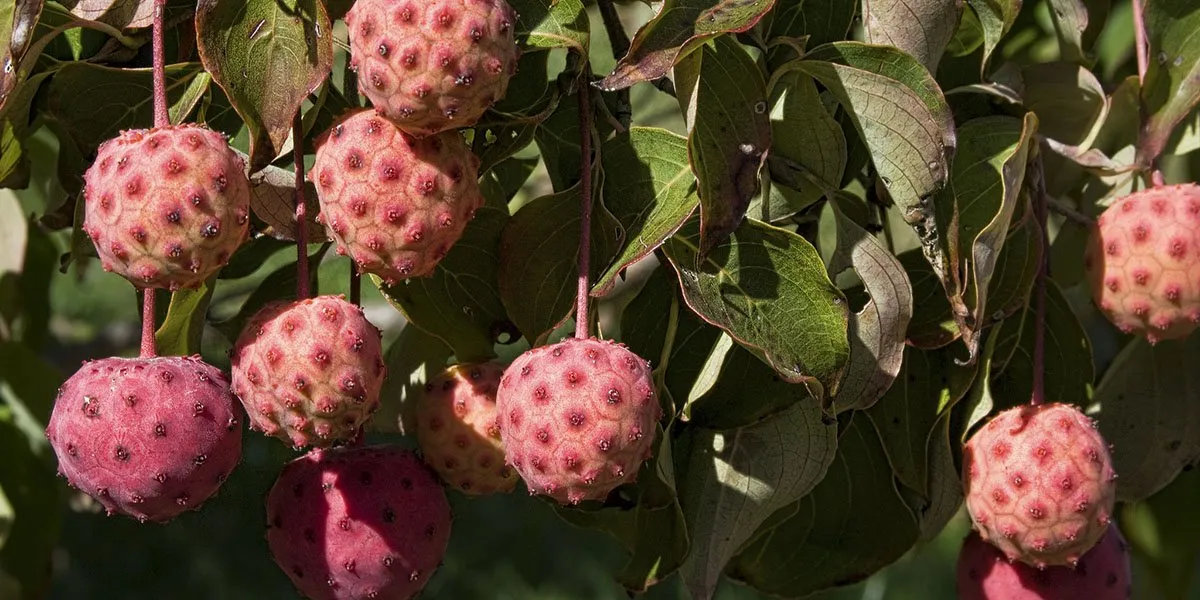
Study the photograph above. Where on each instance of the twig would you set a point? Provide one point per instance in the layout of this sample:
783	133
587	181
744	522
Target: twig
1059	207
620	46
582	322
1139	35
301	209
1039	324
161	117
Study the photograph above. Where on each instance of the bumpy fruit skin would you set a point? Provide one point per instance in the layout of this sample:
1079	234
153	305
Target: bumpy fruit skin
1102	574
356	523
148	438
458	432
1143	262
309	372
166	207
394	203
1039	483
577	418
432	65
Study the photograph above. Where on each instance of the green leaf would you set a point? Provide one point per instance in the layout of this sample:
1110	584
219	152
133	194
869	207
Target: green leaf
921	28
538	259
853	524
823	21
679	28
731	481
95	102
877	332
651	193
1163	532
729	133
984	190
908	415
28	384
932	325
1068	99
560	24
944	494
1172	85
996	18
18	20
14	128
1070	18
1068	366
273	201
808	148
180	332
460	302
1149	402
268	55
27	481
558	142
768	288
412	360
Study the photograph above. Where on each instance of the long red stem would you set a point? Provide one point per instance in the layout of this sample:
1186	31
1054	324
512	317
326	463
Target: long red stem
302	290
149	349
161	117
582	322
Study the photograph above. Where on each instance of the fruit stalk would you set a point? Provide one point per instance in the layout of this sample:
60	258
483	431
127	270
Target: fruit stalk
302	291
1039	322
582	324
161	119
149	350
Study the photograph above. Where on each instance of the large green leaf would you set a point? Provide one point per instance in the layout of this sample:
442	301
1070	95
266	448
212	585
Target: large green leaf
413	359
1068	99
560	24
808	149
921	28
984	190
996	17
853	524
1149	402
877	331
268	55
679	28
651	192
731	481
724	99
181	330
768	288
823	21
539	269
94	102
1172	85
460	302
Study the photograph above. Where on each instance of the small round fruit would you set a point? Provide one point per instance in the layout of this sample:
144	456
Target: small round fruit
1039	483
578	418
166	207
1103	573
148	438
1143	262
309	372
393	203
432	65
356	523
457	429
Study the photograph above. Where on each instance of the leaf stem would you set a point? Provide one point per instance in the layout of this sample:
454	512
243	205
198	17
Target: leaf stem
620	46
149	349
1037	172
161	116
301	208
582	322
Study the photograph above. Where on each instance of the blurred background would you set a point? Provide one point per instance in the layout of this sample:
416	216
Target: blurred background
502	547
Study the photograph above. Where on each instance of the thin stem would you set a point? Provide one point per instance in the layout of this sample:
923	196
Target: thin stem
149	350
1139	35
620	46
1072	215
301	209
1039	323
355	285
161	116
582	324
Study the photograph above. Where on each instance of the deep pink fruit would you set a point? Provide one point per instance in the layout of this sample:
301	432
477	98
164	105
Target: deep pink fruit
166	207
1143	262
432	65
577	418
395	204
457	429
147	437
1039	483
1103	573
309	372
356	523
